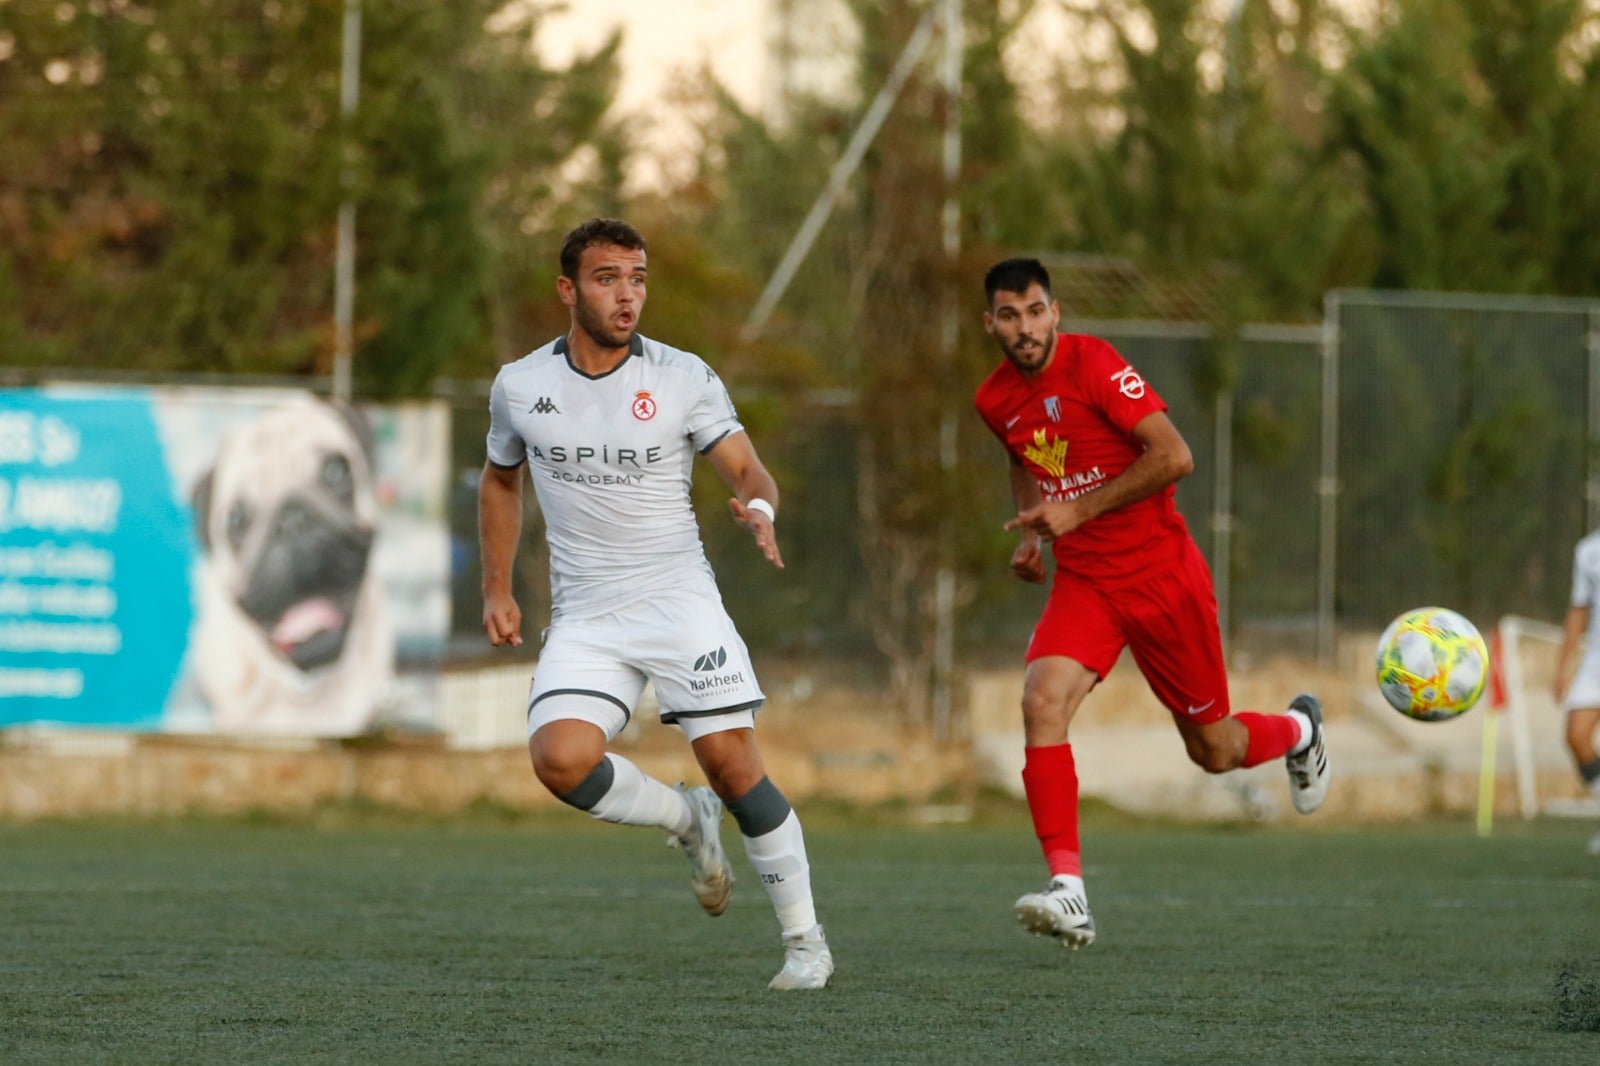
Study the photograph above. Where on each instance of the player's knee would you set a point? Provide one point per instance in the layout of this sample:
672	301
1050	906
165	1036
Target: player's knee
1045	718
733	774
1580	736
562	770
731	762
1214	757
589	790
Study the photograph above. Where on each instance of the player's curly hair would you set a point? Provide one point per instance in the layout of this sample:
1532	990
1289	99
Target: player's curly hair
597	231
1015	275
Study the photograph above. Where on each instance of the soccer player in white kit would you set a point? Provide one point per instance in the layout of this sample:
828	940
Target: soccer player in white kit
607	424
1581	697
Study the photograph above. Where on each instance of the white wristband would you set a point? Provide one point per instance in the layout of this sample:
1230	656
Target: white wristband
758	504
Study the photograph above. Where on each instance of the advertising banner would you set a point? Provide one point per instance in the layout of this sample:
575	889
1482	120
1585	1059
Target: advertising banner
248	562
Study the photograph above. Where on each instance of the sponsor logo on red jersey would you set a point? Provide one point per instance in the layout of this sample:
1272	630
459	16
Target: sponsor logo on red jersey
1050	456
1129	383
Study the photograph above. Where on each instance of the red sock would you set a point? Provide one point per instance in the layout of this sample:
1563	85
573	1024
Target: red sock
1050	781
1271	736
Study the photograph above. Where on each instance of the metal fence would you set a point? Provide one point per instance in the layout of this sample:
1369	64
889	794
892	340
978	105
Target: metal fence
1459	453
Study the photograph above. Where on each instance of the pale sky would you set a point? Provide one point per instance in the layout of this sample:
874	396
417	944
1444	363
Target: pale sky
662	39
666	40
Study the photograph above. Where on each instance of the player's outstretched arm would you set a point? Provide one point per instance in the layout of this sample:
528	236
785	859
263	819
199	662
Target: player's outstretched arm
499	530
1027	561
736	463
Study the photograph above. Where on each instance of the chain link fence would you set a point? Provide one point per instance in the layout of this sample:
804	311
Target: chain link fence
1460	461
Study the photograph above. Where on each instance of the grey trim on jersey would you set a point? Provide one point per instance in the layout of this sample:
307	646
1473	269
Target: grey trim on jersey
707	449
670	717
596	693
635	351
503	466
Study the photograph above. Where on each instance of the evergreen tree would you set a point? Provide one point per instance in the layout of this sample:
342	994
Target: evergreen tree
173	172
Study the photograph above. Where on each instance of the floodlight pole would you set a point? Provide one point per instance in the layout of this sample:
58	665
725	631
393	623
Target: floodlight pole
842	172
948	15
344	259
944	628
1328	485
1591	476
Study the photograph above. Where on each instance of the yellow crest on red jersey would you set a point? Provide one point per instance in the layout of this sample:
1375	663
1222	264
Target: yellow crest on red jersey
1050	456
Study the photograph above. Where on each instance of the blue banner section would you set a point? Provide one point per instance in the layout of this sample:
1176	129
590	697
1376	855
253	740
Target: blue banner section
96	555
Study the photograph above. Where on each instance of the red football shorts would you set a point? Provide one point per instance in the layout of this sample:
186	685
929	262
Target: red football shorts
1168	622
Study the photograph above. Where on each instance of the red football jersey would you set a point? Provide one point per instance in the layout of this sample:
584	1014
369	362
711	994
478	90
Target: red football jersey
1072	428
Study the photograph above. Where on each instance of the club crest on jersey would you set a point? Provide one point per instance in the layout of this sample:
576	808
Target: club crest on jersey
1052	408
1050	456
1129	383
644	408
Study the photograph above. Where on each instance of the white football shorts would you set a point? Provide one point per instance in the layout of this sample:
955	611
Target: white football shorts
595	669
1584	692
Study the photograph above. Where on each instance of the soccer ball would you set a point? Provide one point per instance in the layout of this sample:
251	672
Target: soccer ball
1432	664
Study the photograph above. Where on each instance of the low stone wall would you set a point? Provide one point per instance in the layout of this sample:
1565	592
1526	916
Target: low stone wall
818	742
54	774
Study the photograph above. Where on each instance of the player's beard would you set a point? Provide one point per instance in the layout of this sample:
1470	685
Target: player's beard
598	329
1030	360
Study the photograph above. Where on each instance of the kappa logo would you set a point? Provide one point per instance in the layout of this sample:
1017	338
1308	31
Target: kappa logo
544	407
711	661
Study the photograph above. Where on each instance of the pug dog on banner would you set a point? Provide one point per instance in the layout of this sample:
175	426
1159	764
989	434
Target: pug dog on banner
292	638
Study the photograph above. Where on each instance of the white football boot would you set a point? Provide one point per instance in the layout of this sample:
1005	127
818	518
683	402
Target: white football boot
807	963
1308	771
1060	911
710	874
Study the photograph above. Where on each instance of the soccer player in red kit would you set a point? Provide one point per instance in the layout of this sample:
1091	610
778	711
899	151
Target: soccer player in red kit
1094	460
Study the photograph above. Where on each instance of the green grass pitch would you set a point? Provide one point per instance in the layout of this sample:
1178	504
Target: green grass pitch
366	939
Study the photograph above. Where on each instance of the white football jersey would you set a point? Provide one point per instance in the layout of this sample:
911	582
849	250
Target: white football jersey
1586	584
611	459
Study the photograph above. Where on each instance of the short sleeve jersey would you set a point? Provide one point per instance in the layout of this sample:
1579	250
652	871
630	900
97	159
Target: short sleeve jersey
1586	584
1071	427
611	458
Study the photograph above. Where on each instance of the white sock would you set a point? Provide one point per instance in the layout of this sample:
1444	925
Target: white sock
780	858
1072	882
1304	723
636	798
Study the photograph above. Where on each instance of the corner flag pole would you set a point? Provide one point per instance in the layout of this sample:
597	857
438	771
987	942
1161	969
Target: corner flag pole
1491	727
